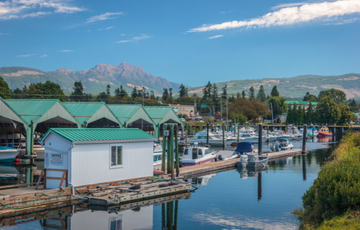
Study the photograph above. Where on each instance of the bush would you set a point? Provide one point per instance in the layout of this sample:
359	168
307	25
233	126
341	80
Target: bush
337	188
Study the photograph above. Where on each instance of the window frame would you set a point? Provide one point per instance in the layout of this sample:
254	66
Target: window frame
122	156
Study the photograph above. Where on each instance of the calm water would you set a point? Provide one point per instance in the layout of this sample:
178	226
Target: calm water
227	200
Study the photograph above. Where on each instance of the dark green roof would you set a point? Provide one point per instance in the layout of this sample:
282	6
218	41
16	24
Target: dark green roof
100	134
300	102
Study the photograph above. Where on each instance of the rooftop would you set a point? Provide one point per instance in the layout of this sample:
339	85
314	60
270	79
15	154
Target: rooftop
100	134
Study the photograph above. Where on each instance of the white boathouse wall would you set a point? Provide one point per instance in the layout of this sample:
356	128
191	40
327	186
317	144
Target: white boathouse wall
89	163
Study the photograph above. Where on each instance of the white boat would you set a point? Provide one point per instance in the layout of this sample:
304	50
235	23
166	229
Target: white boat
8	153
214	139
249	157
196	155
282	144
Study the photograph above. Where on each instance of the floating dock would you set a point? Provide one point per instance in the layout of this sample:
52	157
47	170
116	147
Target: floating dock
217	166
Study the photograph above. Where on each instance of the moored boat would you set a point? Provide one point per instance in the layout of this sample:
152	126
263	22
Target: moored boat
324	132
282	144
8	153
196	155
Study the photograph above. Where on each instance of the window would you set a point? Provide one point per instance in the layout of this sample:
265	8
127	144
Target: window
200	152
116	225
207	151
116	156
186	152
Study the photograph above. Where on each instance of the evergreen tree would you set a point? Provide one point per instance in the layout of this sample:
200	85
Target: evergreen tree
5	91
152	96
224	91
295	113
310	114
327	112
290	116
274	92
134	93
238	95
123	92
251	93
16	93
243	94
214	92
108	90
78	92
303	115
310	97
183	91
165	94
352	103
170	92
345	114
261	94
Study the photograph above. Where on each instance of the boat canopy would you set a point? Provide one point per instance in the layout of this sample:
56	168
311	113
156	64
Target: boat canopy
282	139
244	147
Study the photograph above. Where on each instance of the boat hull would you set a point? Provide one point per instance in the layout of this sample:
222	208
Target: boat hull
193	162
321	134
8	155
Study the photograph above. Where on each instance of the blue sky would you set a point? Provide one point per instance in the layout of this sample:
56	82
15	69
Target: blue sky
189	42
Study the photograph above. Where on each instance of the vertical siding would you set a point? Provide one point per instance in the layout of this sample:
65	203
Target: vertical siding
91	163
60	144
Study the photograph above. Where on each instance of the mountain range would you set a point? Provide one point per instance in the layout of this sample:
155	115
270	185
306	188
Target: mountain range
96	79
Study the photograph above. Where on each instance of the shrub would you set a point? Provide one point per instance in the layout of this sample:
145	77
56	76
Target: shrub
337	188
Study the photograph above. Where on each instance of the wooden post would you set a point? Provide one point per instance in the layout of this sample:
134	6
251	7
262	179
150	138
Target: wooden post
223	135
177	152
163	150
304	167
207	133
260	139
176	214
238	133
259	186
163	216
304	140
171	152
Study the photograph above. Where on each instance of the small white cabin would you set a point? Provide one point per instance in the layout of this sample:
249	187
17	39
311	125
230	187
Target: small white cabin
95	155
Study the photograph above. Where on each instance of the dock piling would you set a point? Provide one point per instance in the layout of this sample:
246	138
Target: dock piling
163	149
207	133
238	133
223	135
177	152
260	139
304	139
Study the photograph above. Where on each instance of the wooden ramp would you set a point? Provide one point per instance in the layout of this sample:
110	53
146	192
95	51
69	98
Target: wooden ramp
231	164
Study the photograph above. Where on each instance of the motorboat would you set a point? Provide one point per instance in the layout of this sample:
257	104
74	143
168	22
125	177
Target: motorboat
196	155
312	132
249	156
157	160
282	144
244	148
8	153
252	160
224	155
324	132
214	139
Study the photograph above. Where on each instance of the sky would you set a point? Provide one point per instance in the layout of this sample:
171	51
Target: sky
185	41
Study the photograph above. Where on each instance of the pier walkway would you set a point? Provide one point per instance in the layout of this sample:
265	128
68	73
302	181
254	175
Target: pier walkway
187	172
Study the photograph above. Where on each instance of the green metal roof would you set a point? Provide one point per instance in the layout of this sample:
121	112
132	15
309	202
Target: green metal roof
123	112
99	134
31	109
157	113
83	111
300	102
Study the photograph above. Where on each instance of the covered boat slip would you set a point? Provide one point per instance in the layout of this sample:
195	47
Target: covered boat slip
20	119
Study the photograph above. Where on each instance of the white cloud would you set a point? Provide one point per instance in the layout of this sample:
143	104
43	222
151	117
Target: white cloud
288	5
102	17
26	55
135	39
66	51
292	15
44	55
216	36
14	9
107	28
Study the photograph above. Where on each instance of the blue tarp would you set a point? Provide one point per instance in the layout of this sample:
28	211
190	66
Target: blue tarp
244	147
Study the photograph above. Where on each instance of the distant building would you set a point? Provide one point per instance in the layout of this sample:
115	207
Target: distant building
303	104
187	110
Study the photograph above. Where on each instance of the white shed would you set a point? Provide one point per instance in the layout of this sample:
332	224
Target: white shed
89	156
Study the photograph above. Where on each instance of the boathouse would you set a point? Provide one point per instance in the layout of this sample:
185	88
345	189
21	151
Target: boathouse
88	156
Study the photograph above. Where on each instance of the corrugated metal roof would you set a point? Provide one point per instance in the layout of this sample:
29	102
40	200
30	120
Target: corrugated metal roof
83	111
124	111
31	106
157	111
100	134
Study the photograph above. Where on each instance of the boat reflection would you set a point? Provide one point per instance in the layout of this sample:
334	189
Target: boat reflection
79	215
325	139
201	180
251	172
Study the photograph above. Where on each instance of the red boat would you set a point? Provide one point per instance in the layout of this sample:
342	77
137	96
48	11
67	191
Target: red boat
324	132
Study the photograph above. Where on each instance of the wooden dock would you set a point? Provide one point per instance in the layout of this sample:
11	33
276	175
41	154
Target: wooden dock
188	172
